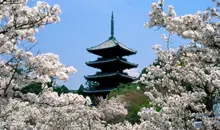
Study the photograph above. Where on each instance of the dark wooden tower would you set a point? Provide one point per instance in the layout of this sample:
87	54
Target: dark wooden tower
111	63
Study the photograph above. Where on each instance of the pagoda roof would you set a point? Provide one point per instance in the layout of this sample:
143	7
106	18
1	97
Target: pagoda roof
111	45
102	61
110	75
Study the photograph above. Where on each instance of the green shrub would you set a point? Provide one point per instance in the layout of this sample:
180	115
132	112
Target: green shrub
126	88
135	101
134	98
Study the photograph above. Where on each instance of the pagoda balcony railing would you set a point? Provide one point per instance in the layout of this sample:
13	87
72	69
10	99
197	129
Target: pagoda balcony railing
99	72
104	73
101	59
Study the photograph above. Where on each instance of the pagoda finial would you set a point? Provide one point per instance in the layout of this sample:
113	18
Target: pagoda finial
112	26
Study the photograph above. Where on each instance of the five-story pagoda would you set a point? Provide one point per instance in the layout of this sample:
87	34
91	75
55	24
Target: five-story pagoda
111	63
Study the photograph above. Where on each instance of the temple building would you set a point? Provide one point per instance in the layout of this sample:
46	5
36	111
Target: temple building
111	63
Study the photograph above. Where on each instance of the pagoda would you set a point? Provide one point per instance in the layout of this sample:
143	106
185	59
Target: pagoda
111	63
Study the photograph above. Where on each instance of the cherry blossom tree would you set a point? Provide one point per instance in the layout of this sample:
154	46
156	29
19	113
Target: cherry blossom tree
18	65
185	83
50	111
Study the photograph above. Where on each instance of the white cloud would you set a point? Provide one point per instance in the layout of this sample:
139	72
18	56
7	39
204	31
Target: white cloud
132	72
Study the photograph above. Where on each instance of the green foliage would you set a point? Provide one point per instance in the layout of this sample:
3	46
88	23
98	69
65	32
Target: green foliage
92	84
37	88
80	90
158	109
61	89
125	88
187	86
134	98
143	71
73	91
181	62
32	88
135	101
157	62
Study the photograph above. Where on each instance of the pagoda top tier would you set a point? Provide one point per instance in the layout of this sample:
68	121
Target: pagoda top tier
111	47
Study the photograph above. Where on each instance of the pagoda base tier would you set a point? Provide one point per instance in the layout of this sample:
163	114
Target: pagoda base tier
98	90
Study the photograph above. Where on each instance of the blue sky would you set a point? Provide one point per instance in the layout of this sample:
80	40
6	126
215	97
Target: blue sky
86	23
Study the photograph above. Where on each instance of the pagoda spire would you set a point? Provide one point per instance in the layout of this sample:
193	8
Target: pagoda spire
112	26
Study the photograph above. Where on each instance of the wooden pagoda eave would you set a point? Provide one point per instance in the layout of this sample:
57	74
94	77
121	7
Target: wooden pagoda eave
120	45
104	76
110	45
98	62
108	51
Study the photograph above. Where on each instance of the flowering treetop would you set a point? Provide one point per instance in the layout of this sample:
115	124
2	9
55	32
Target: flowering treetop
184	84
18	66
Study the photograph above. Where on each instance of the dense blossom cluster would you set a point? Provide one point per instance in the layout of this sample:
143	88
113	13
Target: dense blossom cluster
50	111
185	84
18	66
